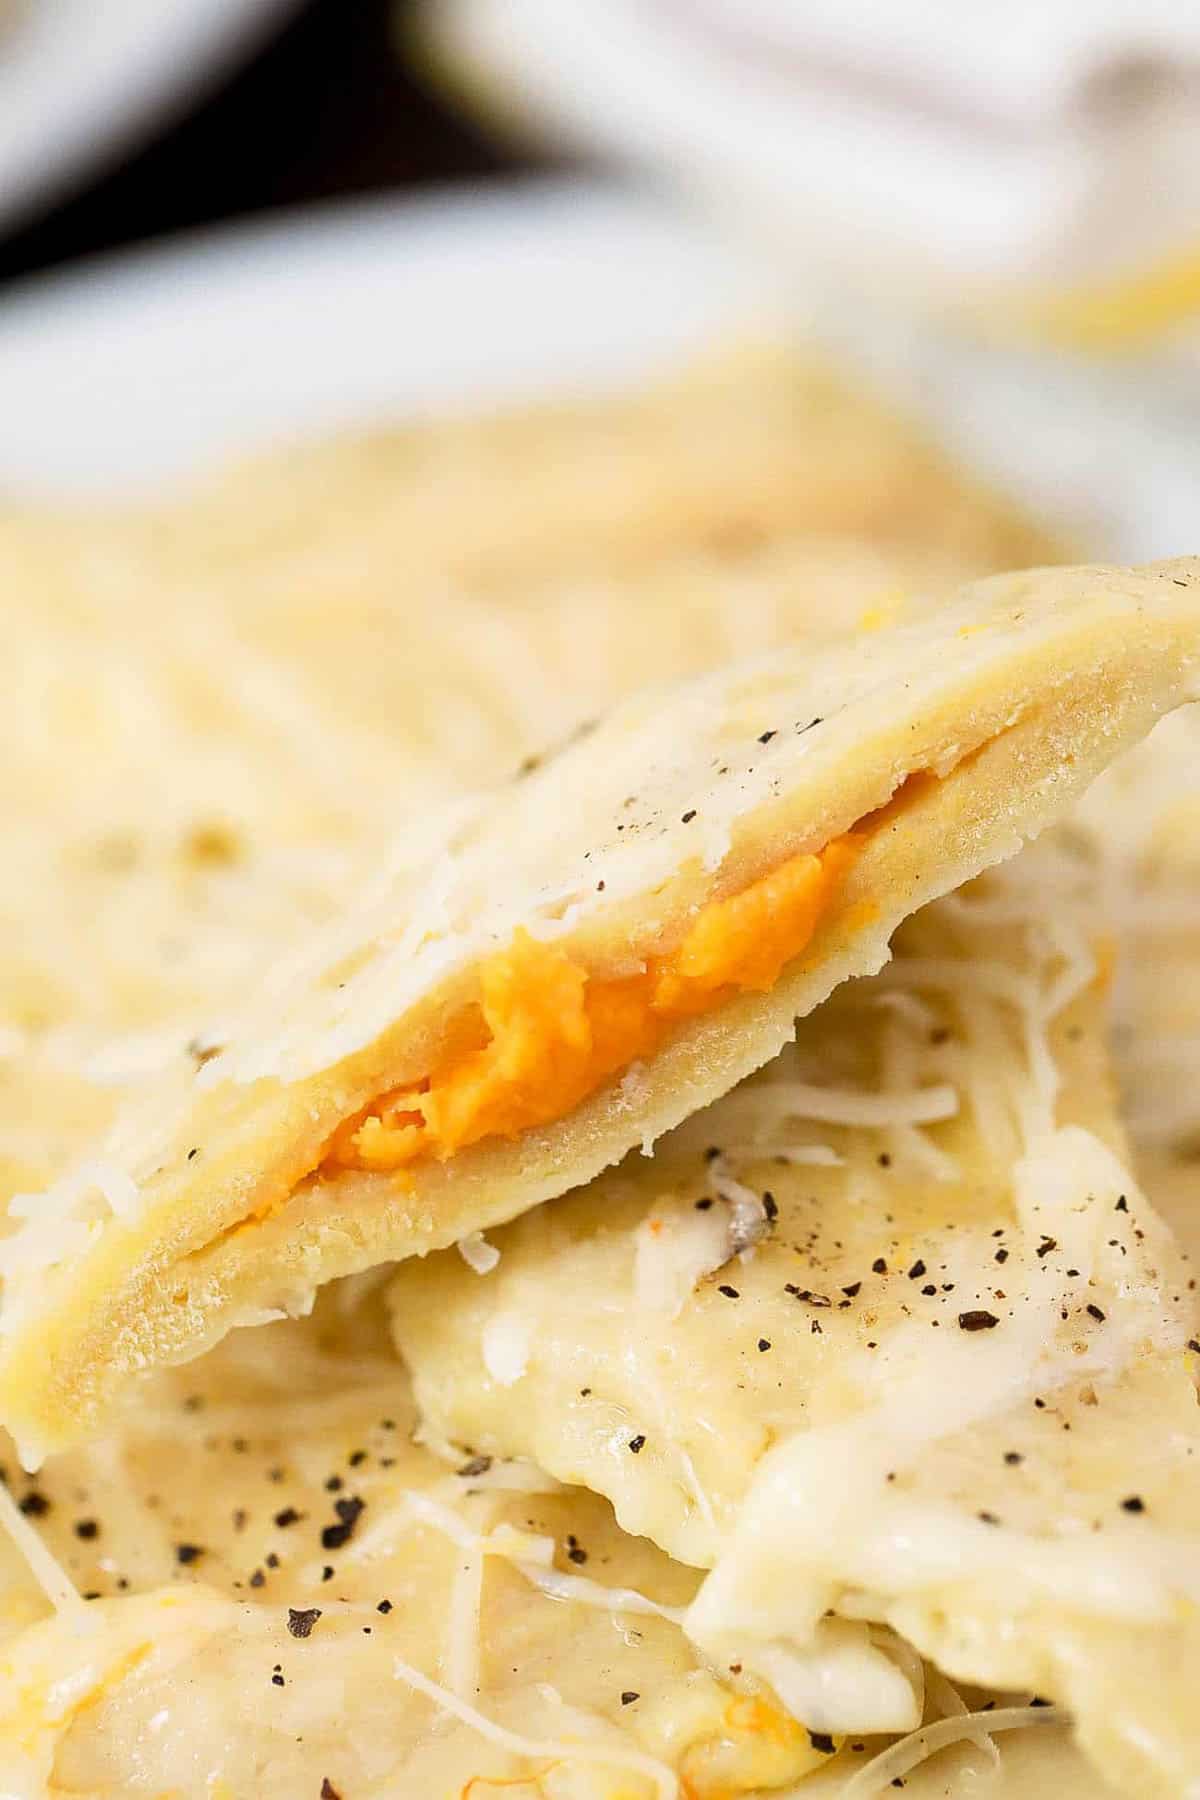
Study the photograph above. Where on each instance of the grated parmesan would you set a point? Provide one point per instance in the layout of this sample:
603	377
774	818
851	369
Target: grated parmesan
505	1348
47	1571
477	1253
666	1785
901	1758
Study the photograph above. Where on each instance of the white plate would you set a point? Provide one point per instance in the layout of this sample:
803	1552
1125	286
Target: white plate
137	368
130	372
81	80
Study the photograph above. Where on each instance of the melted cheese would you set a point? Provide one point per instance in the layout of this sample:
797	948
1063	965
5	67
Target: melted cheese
553	1034
843	1395
170	1684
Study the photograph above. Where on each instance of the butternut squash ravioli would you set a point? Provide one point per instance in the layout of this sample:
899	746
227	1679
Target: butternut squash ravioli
562	969
550	1034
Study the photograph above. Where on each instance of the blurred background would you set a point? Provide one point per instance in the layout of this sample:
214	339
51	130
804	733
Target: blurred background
993	211
295	101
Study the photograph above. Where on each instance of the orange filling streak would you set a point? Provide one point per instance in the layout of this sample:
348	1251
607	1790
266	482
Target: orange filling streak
552	1034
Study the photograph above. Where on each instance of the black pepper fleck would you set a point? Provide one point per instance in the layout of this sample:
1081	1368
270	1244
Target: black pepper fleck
300	1620
638	1443
349	1511
977	1320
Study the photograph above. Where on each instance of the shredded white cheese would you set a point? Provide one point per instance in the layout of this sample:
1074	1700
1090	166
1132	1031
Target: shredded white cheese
477	1253
900	1759
47	1571
666	1784
673	1251
464	1627
768	1102
505	1347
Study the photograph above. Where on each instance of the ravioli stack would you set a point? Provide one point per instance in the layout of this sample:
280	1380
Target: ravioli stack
710	1338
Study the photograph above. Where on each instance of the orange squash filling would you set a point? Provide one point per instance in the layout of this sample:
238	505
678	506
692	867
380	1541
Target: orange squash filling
550	1034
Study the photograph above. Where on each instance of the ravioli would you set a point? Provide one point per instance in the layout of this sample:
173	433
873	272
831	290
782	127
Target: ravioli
741	447
263	1540
887	1333
936	746
216	690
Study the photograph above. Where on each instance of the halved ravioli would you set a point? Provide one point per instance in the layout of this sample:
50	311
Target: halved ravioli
216	689
888	1334
289	1597
565	969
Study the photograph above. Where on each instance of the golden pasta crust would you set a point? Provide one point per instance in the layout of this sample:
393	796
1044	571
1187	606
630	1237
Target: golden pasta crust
935	745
